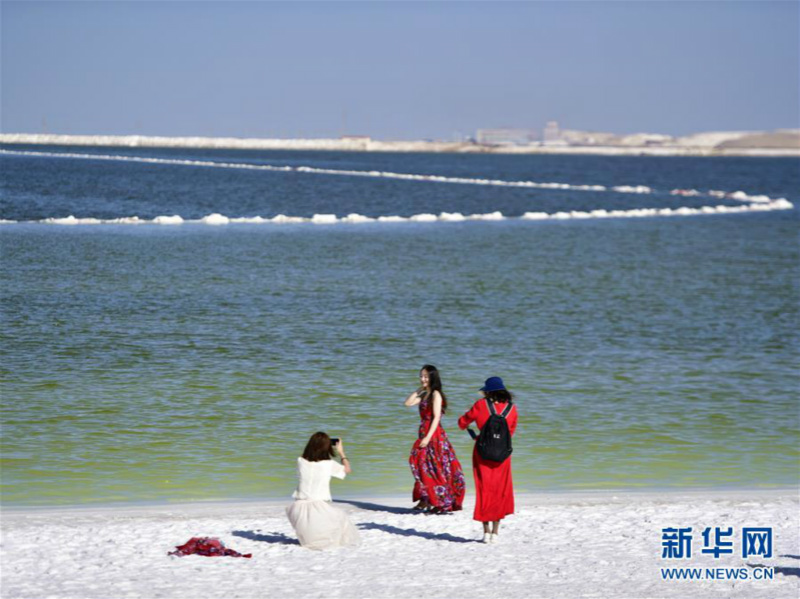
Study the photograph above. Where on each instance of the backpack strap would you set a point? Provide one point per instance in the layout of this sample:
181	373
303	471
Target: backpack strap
493	410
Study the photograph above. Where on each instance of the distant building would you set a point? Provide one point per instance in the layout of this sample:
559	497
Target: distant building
575	137
551	132
505	137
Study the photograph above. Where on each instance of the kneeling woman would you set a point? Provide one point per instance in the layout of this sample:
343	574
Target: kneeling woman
317	523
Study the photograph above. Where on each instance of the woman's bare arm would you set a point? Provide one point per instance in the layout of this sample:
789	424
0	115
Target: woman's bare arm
414	398
339	447
437	417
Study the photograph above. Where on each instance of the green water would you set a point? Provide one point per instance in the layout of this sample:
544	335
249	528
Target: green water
153	364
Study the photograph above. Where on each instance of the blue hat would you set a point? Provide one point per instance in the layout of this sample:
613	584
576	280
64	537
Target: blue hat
493	383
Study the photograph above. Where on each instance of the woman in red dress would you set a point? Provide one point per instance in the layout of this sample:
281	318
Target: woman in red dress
439	480
494	488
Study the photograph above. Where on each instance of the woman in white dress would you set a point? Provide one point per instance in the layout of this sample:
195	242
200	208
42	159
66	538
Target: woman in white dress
317	523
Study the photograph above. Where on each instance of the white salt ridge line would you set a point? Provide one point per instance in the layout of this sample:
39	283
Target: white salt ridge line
424	218
168	220
740	196
254	220
632	189
71	220
217	219
639	189
283	219
461	180
325	171
780	204
357	218
488	216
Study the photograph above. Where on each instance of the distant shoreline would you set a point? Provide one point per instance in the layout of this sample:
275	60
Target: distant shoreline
369	145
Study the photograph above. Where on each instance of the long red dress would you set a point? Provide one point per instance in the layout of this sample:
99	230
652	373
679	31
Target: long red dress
438	476
494	488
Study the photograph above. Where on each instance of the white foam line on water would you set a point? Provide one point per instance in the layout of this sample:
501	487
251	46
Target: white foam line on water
328	171
780	204
217	219
300	169
753	203
634	189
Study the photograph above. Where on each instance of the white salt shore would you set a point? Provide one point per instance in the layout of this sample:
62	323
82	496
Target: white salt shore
565	545
763	143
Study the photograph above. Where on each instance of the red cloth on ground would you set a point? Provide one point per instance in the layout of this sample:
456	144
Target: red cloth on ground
438	477
206	546
494	488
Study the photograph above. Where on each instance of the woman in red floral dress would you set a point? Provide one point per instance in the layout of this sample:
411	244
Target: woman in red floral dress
494	488
439	480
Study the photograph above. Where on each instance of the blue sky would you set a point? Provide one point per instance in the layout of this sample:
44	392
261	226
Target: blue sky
397	70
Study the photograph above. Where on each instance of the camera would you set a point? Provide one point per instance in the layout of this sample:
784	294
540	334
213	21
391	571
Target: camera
334	441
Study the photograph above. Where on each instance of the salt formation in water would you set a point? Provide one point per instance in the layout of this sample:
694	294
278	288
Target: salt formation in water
753	203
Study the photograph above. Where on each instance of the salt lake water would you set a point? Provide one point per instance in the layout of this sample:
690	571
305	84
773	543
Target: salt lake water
146	362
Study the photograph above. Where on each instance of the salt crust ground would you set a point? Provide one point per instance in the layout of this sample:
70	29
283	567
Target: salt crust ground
741	143
575	545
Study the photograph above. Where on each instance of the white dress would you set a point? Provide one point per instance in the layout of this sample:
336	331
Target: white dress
317	523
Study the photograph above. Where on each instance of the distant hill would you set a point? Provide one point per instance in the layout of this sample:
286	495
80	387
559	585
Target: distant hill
783	139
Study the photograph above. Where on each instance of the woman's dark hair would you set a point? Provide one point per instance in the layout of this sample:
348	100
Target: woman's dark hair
501	395
318	448
435	383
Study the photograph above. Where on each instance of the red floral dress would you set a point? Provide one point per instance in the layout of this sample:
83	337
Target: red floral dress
437	472
494	488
